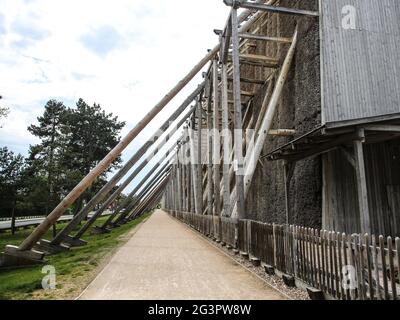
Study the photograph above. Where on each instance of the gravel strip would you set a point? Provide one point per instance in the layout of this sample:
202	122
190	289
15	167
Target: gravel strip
275	281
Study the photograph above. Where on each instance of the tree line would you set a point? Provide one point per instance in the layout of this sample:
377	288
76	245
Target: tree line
72	142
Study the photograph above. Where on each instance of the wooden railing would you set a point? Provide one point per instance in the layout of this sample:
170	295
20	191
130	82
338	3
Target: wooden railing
347	267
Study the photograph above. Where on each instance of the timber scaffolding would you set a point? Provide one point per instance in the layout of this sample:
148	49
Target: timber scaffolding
205	176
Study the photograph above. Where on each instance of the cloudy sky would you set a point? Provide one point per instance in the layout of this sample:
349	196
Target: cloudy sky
123	54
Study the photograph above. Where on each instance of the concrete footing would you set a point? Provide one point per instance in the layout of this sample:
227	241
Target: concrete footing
289	280
99	230
315	294
12	257
74	242
244	255
255	262
49	248
270	270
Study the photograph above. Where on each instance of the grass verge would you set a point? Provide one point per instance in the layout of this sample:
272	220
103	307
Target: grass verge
75	268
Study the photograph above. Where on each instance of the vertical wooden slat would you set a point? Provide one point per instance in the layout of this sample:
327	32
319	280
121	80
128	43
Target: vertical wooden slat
391	267
361	248
384	271
318	248
302	254
375	261
352	262
306	256
313	267
340	261
331	268
346	259
327	261
322	235
369	265
335	263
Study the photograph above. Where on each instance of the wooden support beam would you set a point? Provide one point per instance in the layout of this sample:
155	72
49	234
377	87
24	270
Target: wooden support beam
226	136
244	93
288	169
270	8
282	132
248	80
362	184
210	193
225	40
258	60
264	38
216	141
382	127
238	131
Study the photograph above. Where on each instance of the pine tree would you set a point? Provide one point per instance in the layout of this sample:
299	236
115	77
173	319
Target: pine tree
91	135
46	156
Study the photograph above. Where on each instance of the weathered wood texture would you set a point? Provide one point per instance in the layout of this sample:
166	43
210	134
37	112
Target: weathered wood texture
361	66
340	209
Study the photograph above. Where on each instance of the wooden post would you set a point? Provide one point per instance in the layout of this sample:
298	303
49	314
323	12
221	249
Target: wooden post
362	184
188	171
226	135
237	117
210	191
179	179
216	142
287	176
199	167
13	215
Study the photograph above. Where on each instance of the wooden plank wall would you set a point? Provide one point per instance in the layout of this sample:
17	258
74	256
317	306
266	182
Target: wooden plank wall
340	206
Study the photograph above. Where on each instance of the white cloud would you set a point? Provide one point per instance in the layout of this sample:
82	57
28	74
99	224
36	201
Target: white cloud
148	47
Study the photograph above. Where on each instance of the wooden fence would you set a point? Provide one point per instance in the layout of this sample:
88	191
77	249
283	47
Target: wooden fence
347	267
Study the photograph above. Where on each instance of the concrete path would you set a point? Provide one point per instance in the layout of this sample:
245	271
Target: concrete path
167	260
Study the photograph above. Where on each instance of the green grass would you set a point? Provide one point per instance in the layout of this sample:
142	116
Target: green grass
74	268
